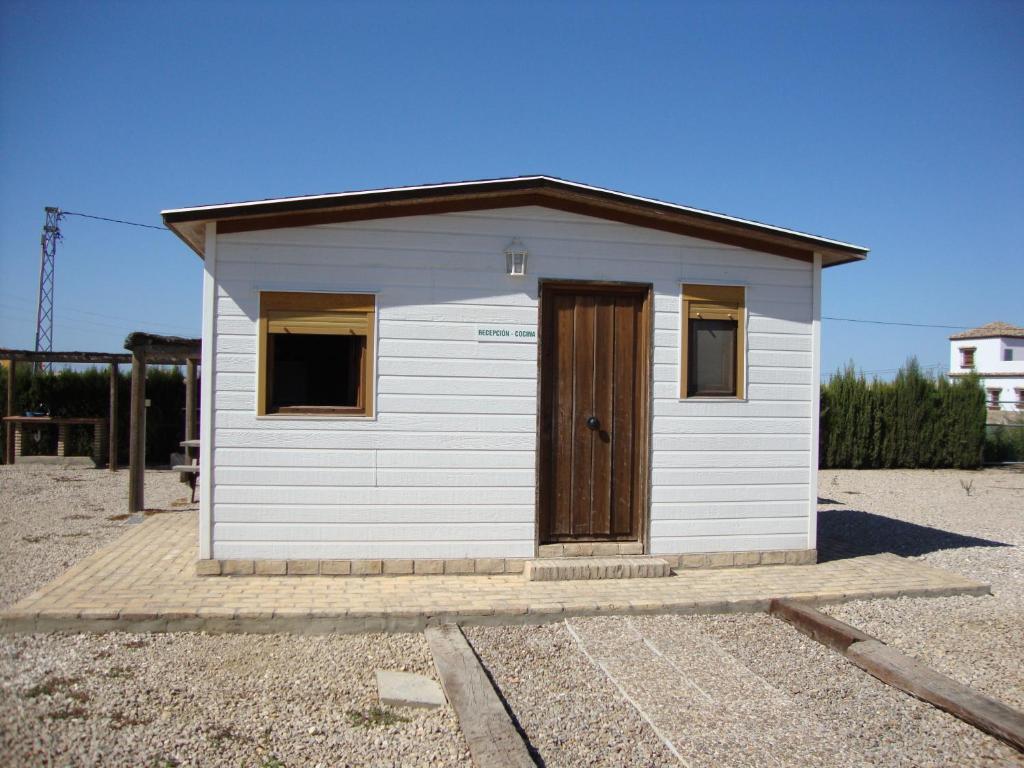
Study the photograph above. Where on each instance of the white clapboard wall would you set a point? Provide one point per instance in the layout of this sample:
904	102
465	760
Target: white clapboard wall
446	469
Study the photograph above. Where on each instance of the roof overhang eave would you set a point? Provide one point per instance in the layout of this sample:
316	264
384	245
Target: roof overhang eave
190	223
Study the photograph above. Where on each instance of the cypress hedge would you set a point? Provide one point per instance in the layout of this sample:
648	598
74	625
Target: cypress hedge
86	393
914	421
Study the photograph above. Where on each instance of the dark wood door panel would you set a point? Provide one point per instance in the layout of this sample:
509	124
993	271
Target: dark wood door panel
594	396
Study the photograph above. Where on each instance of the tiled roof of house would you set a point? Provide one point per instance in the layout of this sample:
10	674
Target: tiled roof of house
991	331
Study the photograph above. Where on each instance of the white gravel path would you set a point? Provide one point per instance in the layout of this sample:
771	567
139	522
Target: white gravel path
572	714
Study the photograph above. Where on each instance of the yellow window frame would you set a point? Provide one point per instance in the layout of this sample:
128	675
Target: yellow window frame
338	314
713	302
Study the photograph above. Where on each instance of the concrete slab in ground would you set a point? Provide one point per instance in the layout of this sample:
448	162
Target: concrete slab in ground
145	582
405	689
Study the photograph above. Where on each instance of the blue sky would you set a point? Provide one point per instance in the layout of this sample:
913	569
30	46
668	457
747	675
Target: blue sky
899	126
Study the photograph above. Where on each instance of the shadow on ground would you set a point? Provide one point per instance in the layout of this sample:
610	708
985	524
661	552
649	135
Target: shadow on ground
846	533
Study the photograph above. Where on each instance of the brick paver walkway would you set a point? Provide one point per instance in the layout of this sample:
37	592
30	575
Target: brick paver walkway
145	581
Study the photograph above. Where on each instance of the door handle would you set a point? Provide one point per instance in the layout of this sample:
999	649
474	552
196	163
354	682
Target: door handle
593	423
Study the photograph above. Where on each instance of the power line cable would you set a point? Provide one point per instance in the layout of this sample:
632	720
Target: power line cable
114	221
890	322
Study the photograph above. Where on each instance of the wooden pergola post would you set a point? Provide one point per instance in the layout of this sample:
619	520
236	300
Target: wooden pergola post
115	380
137	439
191	431
149	349
9	411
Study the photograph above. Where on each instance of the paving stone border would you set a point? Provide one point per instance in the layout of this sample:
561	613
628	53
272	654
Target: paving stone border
492	565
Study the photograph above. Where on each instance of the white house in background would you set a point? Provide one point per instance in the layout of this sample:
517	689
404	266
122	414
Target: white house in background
996	353
457	377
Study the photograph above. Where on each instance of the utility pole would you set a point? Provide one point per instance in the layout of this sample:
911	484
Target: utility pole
44	307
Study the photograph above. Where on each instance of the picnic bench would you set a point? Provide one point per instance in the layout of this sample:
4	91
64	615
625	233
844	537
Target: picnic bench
20	423
189	472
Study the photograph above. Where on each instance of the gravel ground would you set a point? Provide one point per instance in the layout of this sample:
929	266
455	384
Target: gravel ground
246	700
575	716
190	699
203	700
571	712
870	723
928	516
50	518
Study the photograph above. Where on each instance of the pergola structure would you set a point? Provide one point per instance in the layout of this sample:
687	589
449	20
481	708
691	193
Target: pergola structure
146	349
150	349
13	356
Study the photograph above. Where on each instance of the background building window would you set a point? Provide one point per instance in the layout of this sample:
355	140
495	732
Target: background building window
713	341
993	399
316	353
966	357
1007	354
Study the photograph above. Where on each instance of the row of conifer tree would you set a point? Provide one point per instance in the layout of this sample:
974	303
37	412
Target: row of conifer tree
913	421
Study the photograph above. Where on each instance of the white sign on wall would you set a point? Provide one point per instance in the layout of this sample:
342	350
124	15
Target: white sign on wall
506	333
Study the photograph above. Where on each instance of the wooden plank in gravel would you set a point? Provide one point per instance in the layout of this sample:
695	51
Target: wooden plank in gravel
904	672
909	675
492	736
815	624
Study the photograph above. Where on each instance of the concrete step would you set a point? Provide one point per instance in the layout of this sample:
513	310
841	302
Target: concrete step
582	568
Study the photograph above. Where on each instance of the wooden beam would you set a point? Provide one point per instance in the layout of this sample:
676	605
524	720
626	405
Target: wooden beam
9	411
905	672
115	380
29	356
910	676
191	412
817	625
137	440
492	736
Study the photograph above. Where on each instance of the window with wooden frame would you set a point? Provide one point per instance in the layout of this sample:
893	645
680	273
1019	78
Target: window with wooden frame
993	399
713	341
967	357
316	354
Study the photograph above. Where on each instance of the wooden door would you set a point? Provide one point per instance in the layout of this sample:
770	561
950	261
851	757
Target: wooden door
594	397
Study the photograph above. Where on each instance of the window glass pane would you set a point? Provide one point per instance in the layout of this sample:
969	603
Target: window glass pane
314	369
712	357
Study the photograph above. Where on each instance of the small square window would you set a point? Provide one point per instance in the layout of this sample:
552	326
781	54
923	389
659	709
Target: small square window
713	341
967	357
1007	354
315	354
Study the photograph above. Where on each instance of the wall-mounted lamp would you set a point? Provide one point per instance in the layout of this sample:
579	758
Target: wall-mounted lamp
515	258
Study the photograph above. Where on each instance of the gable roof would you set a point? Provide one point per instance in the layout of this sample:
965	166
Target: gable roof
190	223
994	330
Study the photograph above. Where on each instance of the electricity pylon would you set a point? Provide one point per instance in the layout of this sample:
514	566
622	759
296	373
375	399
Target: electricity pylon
44	307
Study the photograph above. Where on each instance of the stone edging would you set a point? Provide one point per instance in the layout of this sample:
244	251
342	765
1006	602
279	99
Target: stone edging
480	566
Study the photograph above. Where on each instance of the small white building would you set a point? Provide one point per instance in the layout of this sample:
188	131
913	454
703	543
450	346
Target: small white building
996	353
456	377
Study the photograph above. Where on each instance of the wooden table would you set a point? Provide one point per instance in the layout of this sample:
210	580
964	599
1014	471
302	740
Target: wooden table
99	426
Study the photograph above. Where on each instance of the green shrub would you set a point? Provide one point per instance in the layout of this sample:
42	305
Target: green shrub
86	393
1005	442
913	421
